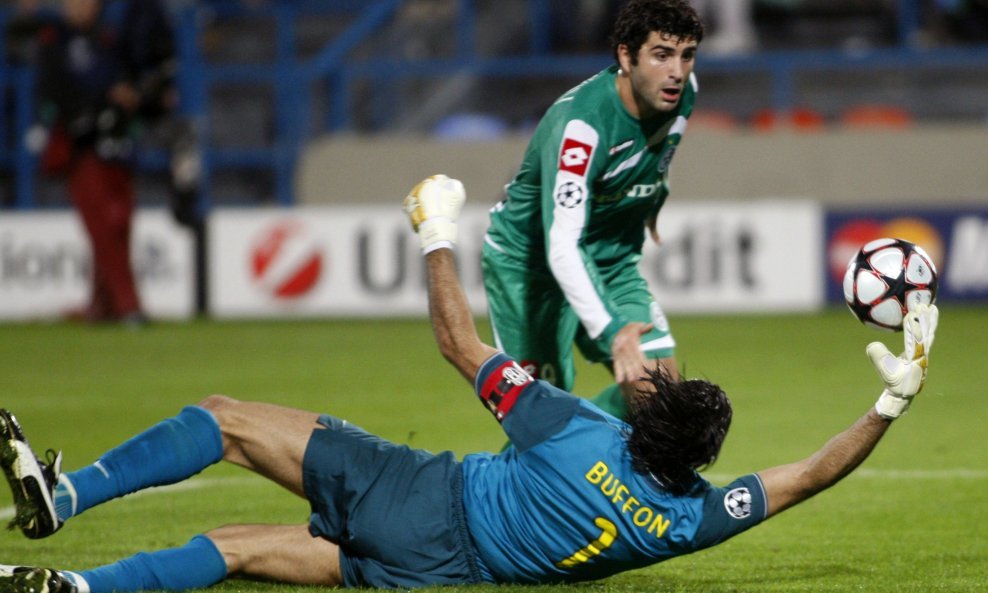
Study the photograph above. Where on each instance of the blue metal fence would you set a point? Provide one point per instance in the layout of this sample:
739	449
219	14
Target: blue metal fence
291	77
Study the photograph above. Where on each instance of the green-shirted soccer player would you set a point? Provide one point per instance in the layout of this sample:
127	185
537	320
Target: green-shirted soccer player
561	255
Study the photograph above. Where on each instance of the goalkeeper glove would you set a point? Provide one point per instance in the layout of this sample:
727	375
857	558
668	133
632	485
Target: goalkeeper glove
904	374
433	206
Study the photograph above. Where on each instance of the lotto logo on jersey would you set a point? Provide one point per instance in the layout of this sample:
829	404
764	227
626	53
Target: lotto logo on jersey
574	157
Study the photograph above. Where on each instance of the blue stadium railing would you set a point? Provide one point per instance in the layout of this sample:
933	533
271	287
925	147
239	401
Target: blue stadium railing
290	77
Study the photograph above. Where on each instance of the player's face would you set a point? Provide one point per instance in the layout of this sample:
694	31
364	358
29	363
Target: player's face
661	73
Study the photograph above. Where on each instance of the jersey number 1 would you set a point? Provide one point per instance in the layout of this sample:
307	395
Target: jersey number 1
607	536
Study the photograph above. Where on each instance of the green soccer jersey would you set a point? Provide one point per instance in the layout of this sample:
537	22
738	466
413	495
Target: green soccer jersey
592	176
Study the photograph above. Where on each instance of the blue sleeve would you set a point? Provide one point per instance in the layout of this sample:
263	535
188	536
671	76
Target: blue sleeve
529	411
731	510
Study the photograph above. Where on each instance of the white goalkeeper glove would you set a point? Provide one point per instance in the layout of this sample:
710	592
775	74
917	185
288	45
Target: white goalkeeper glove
433	206
904	374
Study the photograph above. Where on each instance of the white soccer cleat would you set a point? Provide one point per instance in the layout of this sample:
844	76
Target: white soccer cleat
27	579
31	480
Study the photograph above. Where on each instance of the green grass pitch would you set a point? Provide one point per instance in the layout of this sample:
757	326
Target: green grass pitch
913	519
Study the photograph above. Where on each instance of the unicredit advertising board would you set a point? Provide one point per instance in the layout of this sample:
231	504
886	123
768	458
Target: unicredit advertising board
955	238
365	261
45	265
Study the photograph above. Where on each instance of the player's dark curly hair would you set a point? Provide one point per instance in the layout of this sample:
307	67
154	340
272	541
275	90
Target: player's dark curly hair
639	18
676	428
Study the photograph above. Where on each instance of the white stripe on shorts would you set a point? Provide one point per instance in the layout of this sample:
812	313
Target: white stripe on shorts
659	344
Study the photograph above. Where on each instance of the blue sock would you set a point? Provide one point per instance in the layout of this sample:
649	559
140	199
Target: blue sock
196	565
168	452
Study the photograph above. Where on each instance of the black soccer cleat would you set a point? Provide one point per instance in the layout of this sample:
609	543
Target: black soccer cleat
27	579
31	480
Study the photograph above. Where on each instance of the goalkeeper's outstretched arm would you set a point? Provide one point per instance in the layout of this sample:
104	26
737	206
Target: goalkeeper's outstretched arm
788	485
433	207
903	376
452	322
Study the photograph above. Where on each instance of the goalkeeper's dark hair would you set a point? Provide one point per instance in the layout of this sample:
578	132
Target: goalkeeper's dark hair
677	428
639	18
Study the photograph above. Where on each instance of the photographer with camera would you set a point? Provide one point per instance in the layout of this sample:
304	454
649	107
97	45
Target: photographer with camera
97	79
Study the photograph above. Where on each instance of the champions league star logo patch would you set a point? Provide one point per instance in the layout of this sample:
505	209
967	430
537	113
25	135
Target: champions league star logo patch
738	503
569	195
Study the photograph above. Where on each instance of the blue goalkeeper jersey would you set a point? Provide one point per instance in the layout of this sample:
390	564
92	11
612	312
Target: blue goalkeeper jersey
564	504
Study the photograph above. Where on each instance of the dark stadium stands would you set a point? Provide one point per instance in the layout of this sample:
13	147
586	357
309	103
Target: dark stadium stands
259	78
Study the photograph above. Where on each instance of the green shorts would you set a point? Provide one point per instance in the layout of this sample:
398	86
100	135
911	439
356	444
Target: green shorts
533	322
396	513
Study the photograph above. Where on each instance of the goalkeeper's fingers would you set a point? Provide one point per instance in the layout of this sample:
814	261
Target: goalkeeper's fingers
413	203
920	328
889	367
433	207
905	375
894	401
902	378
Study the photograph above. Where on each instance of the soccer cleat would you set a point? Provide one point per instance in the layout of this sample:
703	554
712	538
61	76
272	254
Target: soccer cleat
26	579
31	480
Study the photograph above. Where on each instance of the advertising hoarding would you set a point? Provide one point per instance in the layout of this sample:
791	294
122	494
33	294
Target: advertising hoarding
45	265
956	239
365	261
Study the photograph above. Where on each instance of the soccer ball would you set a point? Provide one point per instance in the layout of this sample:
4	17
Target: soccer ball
884	278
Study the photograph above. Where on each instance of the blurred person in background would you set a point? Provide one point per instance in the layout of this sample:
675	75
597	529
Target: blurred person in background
733	25
560	257
103	68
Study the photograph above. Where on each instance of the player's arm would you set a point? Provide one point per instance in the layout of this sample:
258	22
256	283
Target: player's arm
790	484
452	322
568	168
627	359
433	207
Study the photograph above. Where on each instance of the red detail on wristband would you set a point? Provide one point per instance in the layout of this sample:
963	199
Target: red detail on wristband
502	388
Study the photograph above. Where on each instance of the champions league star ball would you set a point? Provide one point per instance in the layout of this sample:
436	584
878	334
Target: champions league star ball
884	278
